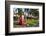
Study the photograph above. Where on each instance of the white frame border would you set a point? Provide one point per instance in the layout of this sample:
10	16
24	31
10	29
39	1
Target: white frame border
26	28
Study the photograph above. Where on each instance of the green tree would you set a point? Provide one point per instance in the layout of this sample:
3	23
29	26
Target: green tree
35	12
20	12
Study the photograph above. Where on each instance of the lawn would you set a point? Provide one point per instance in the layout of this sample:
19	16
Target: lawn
32	22
29	23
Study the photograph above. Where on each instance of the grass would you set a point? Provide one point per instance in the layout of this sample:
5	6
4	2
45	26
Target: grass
31	22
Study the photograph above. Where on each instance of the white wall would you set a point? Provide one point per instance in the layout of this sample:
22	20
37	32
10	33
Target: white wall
2	17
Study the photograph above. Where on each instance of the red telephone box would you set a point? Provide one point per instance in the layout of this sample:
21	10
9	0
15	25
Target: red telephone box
21	20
